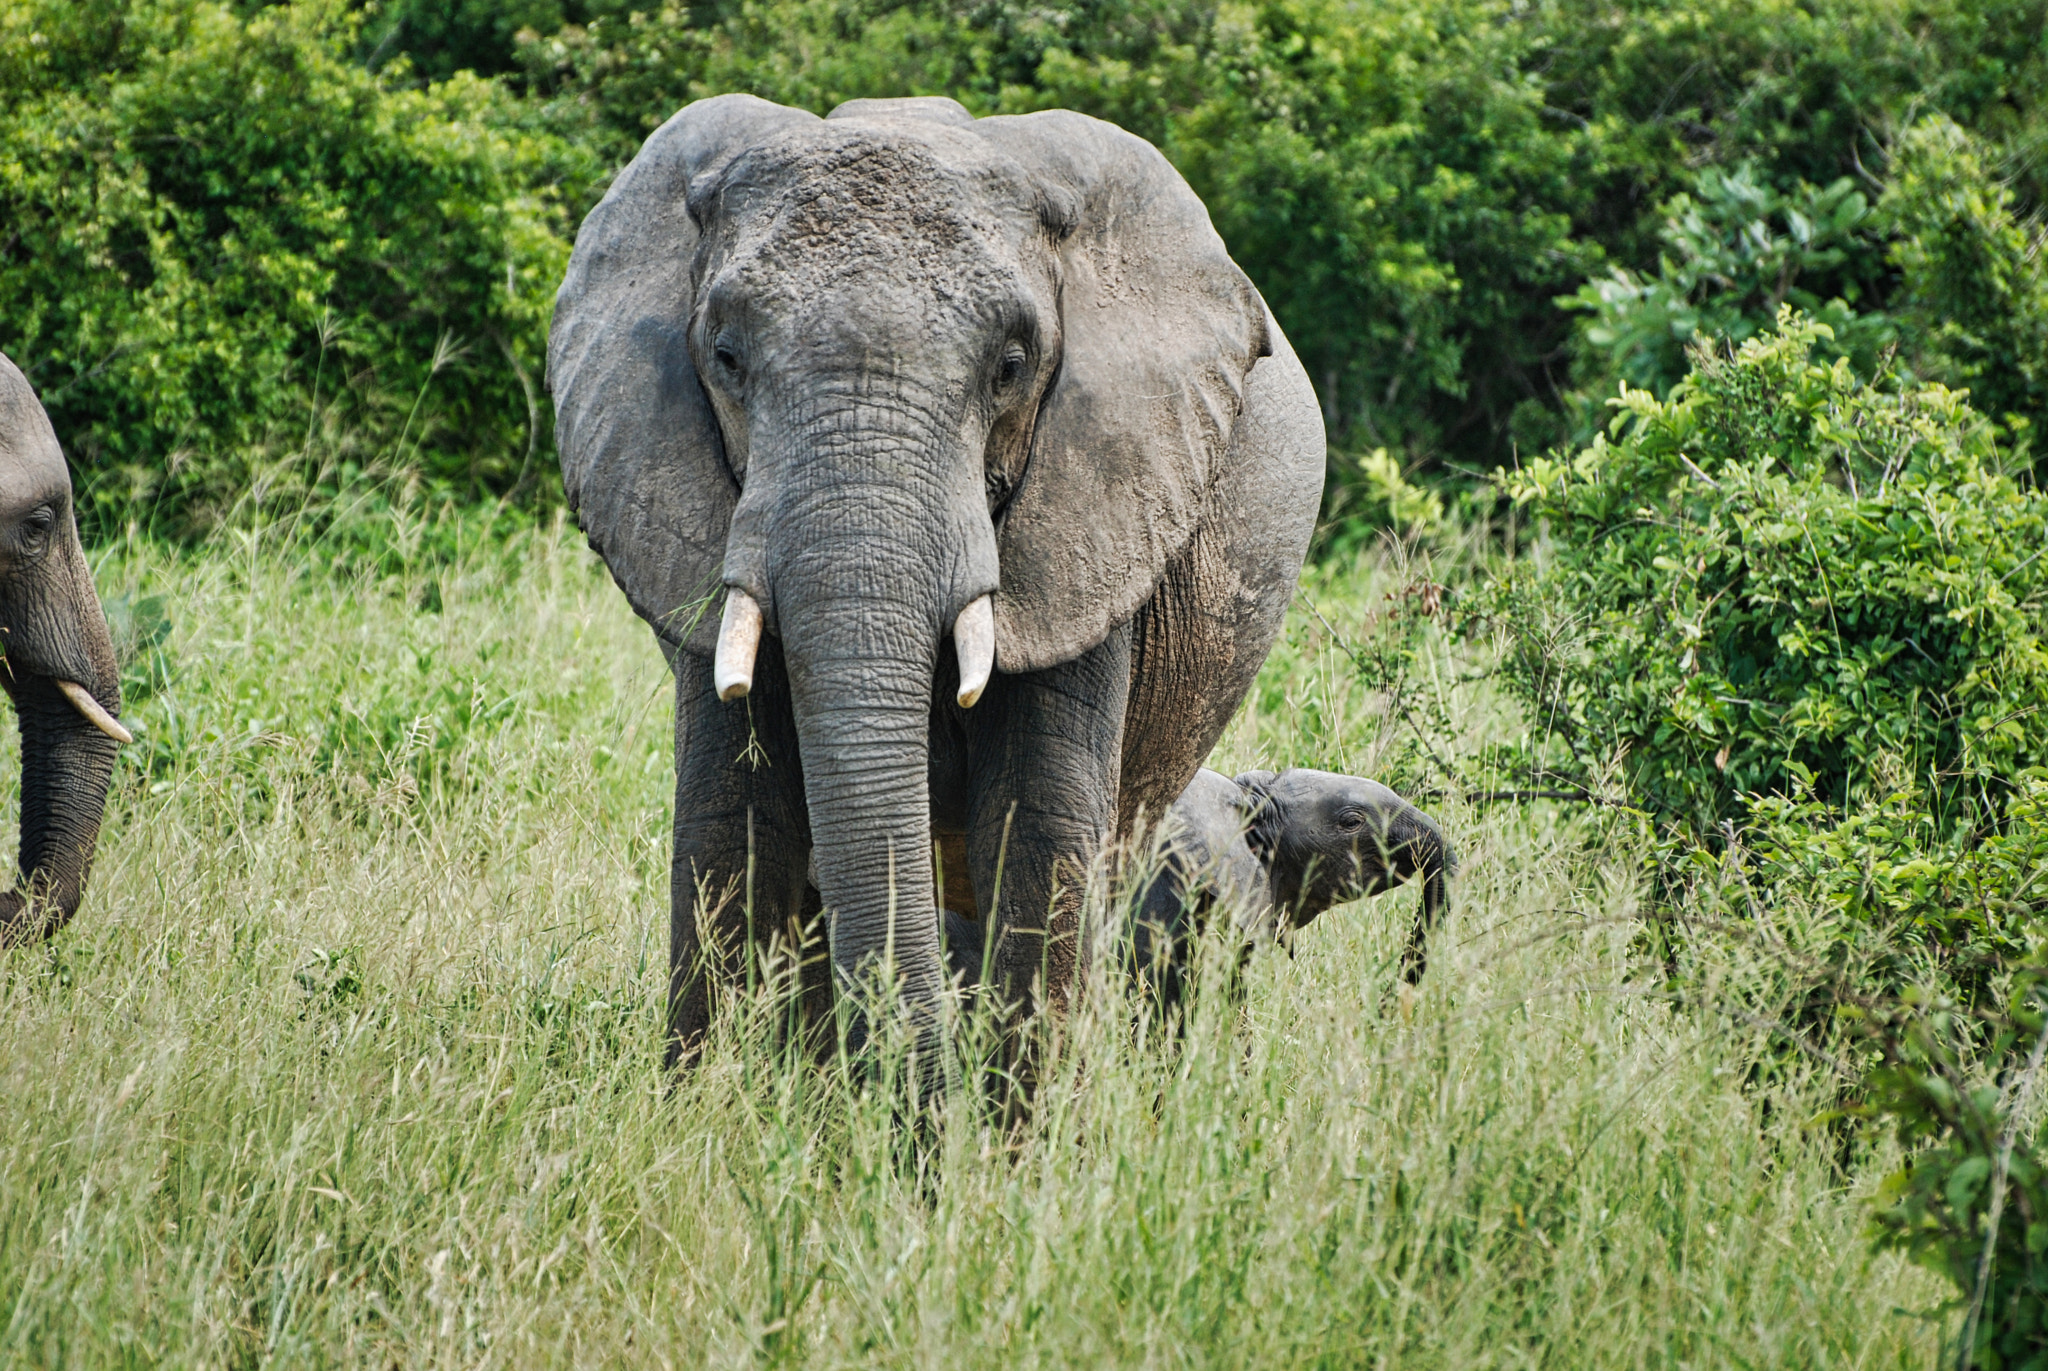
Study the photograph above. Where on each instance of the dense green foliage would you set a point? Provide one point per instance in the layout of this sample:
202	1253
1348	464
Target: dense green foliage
1796	616
1939	278
222	240
1786	577
1794	602
1971	1201
1469	214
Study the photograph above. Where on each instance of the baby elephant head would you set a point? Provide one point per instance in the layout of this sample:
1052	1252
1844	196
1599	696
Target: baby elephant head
1326	839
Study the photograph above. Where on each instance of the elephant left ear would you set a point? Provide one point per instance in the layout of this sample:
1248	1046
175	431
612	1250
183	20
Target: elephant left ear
1159	333
1261	815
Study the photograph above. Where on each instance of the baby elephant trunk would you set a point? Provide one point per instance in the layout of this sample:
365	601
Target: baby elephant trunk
1437	863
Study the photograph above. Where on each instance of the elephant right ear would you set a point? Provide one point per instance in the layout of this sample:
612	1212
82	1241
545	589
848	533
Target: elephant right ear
642	460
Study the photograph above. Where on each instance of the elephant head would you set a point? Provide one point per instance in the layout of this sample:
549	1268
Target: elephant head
878	381
58	667
1327	838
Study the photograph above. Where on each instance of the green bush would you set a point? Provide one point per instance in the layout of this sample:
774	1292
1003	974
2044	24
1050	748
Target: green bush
1784	578
224	243
1796	615
1738	251
1942	271
1974	283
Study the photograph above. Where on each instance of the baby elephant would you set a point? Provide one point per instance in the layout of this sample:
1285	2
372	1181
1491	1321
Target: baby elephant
1274	850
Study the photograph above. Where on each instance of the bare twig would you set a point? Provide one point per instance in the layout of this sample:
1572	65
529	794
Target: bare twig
1688	463
1584	797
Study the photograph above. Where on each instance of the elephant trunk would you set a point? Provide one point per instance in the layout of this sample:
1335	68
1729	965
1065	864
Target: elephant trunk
59	669
862	727
67	763
864	561
1437	862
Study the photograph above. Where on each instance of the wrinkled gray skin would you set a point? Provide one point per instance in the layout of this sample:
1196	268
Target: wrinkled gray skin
1274	850
868	368
51	630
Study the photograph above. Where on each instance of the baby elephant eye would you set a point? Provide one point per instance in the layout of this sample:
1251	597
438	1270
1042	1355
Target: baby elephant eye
1351	820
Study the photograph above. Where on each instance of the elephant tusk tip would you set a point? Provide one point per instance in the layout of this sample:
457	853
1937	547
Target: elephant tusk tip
739	638
95	714
974	642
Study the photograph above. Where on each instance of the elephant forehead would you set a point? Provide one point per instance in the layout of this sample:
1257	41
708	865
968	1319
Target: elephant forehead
31	463
832	202
1305	785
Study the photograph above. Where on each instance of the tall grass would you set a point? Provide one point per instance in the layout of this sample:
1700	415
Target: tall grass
352	1058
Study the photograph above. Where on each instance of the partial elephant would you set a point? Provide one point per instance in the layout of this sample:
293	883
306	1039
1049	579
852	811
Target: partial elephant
1271	851
1326	839
57	664
830	392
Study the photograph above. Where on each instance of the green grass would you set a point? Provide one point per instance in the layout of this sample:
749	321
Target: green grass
352	1058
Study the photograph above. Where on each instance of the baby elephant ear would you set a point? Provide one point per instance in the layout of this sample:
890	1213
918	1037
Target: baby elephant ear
642	459
1261	815
1159	329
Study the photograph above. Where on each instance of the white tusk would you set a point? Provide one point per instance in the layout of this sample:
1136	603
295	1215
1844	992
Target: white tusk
974	642
82	700
739	638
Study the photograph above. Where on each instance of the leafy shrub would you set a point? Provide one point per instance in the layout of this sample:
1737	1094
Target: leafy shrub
1974	282
1797	615
1941	269
1785	577
1738	251
223	241
1833	908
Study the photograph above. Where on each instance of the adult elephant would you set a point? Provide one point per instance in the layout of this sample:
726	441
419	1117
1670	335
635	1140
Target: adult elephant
57	664
896	375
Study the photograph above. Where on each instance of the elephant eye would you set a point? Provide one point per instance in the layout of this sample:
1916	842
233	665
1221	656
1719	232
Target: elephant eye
1015	361
726	353
36	526
1351	820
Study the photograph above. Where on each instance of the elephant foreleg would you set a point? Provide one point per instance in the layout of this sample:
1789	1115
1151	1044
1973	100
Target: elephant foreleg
742	845
1044	752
